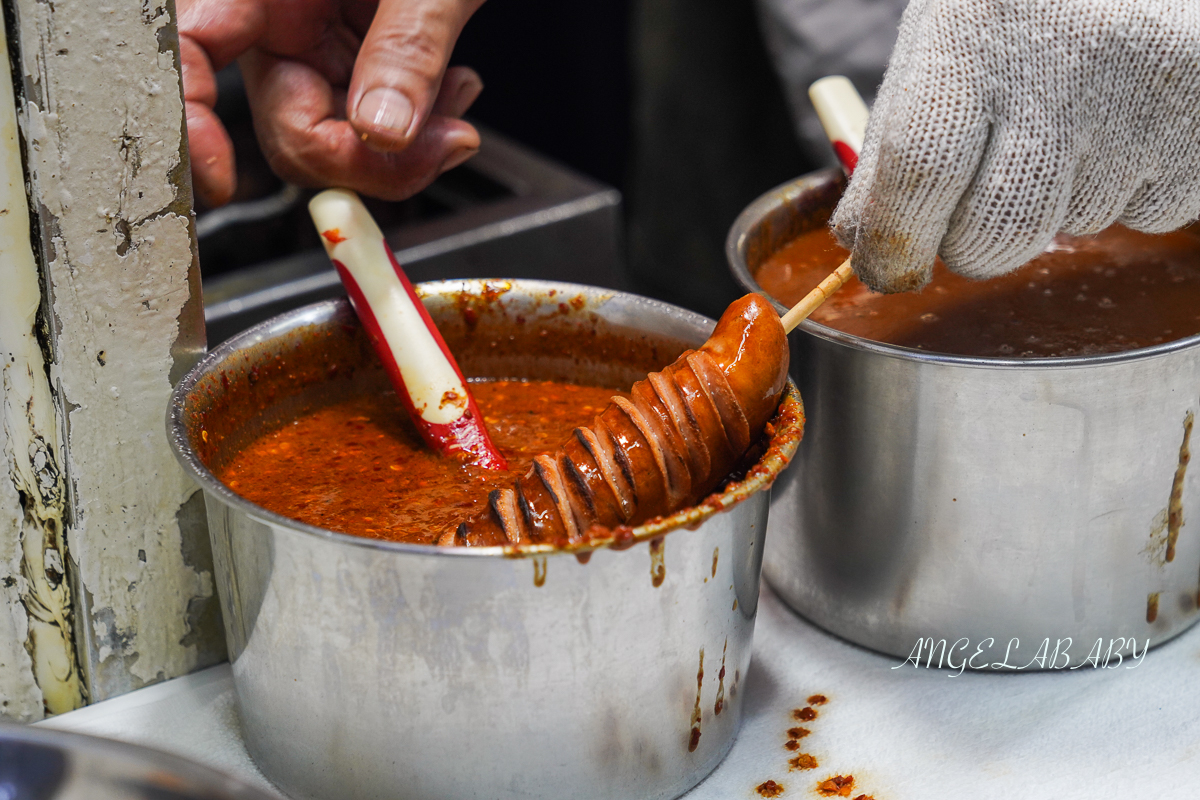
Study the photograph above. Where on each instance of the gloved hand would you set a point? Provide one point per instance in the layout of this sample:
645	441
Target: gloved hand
1001	122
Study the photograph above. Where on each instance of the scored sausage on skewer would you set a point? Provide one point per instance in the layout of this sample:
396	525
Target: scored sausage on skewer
677	436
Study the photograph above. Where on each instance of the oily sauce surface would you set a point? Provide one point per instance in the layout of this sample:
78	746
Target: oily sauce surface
1117	290
359	466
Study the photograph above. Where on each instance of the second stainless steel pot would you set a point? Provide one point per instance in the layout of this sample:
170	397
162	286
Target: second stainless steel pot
994	503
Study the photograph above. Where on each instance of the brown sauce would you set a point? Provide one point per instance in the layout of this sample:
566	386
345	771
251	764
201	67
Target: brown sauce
1118	290
837	786
769	789
803	761
358	466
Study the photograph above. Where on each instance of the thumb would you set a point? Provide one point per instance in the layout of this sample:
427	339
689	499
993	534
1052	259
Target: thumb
399	68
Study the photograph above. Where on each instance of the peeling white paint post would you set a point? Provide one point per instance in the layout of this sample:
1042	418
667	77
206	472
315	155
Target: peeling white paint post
102	119
37	650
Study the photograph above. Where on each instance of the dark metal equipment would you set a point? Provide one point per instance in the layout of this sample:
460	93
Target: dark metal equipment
508	212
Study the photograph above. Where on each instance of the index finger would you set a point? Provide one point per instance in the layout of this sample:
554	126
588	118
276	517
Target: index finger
305	143
925	137
400	67
223	28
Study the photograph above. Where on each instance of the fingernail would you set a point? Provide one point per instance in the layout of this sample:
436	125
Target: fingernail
385	108
458	157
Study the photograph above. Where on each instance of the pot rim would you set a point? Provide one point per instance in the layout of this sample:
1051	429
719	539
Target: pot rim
782	446
785	193
130	761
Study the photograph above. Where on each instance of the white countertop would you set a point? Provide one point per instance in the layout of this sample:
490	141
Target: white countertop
903	734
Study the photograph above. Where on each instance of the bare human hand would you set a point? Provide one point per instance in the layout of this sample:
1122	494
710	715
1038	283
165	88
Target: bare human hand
351	93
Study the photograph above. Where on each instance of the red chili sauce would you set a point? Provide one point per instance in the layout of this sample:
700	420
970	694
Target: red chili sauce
359	466
1117	290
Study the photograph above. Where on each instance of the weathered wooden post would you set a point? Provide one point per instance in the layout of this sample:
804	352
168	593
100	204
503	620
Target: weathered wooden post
105	570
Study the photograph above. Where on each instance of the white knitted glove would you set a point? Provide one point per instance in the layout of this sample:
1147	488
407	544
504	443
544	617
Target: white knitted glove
1002	122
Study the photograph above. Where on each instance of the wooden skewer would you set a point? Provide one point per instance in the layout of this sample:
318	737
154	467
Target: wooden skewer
813	300
843	114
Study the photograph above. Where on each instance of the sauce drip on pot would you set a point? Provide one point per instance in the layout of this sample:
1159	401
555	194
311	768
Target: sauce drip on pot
358	466
1117	290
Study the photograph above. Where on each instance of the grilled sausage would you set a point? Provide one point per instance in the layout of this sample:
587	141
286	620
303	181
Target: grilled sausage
667	446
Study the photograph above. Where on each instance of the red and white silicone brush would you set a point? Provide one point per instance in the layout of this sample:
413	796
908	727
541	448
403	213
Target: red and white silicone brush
843	115
425	375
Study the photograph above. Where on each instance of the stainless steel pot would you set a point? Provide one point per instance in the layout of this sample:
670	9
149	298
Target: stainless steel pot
373	669
970	499
43	764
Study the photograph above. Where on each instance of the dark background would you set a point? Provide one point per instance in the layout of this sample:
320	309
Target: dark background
672	101
556	77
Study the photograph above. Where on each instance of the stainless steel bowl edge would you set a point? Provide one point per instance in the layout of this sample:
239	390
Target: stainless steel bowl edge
39	763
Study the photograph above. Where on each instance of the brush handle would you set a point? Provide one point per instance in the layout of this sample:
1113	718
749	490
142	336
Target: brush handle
422	370
843	114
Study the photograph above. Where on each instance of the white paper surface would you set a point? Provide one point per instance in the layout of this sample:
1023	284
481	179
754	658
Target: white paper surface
909	734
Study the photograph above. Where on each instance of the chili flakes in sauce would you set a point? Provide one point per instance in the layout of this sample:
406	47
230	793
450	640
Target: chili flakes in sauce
359	467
